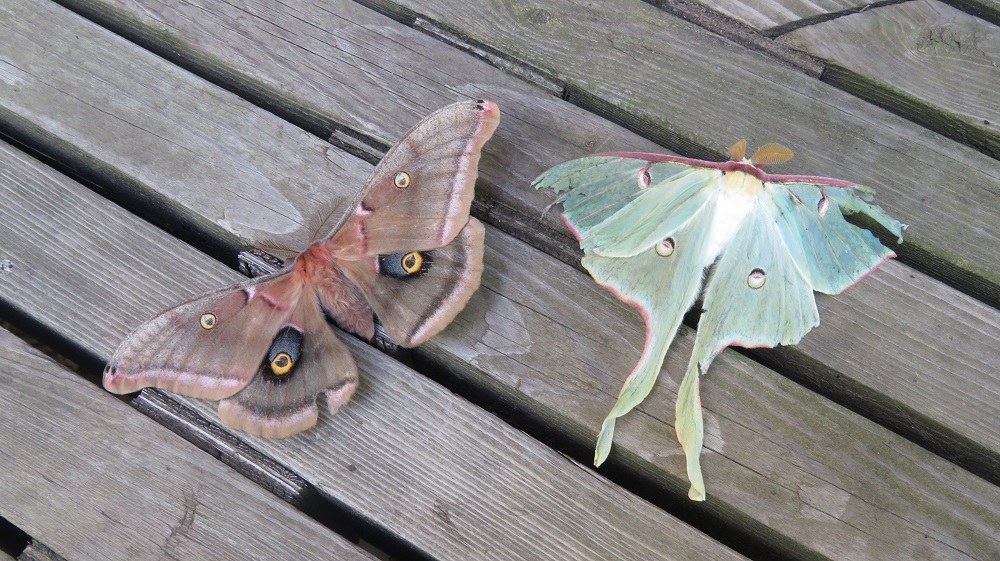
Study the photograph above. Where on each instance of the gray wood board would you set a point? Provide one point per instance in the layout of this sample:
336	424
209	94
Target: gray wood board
37	551
177	120
406	454
764	15
923	59
620	362
986	9
93	479
889	395
330	78
696	93
717	92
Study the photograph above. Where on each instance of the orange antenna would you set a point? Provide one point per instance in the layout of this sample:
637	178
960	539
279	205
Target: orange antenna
771	154
739	150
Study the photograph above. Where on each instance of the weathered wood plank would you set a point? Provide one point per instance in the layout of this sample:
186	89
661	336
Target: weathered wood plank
357	422
92	479
621	361
37	551
695	93
924	59
406	455
716	93
322	74
989	10
773	449
61	118
719	20
764	15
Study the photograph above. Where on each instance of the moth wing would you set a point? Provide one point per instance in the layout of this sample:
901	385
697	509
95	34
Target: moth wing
419	195
674	196
414	306
415	206
618	206
175	352
277	404
831	253
593	188
661	287
756	297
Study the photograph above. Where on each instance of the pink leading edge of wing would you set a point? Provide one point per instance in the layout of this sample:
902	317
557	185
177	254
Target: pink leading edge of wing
731	165
645	322
576	233
653	158
811	179
484	130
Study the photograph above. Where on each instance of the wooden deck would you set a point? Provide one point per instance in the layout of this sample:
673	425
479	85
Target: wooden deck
145	141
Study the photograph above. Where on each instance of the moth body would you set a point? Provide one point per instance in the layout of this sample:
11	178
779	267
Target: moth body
650	225
406	251
736	194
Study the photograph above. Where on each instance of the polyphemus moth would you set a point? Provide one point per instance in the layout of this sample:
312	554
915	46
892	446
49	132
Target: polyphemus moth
650	225
408	252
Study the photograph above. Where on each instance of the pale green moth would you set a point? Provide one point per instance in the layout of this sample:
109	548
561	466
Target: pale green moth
650	224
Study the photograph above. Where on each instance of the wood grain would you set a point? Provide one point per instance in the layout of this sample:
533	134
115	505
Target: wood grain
37	551
92	479
764	15
681	86
989	10
926	60
177	118
694	93
536	128
604	350
406	454
441	468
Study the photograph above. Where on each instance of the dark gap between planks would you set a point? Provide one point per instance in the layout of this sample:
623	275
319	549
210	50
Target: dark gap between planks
13	540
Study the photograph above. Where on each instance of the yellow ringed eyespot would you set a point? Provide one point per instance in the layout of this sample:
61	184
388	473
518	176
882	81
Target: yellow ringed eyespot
282	364
207	320
756	278
412	262
665	248
402	180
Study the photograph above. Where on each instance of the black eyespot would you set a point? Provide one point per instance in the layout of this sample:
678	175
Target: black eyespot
756	278
405	265
283	356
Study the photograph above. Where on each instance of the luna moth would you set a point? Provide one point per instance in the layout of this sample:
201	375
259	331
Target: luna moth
408	252
651	224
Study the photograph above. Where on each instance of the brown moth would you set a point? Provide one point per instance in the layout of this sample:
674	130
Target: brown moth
408	253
